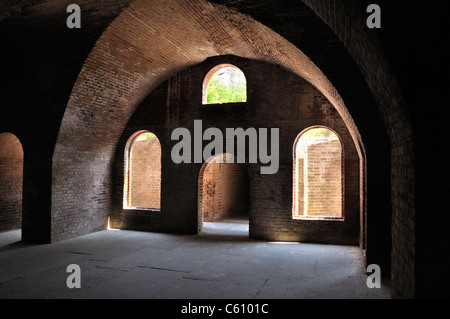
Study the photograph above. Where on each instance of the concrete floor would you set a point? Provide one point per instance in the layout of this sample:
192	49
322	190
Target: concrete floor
221	263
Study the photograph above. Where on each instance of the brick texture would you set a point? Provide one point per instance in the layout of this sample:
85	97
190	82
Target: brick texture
11	181
135	54
178	102
83	87
365	48
223	190
319	179
142	186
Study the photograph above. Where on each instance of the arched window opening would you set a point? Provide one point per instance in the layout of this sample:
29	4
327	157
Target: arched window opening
142	185
318	181
225	83
11	182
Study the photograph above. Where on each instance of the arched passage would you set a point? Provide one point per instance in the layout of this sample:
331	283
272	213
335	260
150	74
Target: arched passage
11	182
105	107
223	191
116	77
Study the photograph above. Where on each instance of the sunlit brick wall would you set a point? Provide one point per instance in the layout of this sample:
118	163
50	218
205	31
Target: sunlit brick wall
145	174
324	181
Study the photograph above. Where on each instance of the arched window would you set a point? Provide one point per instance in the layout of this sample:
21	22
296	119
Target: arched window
142	185
318	178
224	83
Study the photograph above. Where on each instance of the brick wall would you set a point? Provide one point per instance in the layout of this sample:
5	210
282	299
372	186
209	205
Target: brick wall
167	37
144	174
118	75
223	190
8	8
178	102
365	48
324	179
11	181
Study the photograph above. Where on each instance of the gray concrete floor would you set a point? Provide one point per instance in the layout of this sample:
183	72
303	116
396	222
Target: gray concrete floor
221	263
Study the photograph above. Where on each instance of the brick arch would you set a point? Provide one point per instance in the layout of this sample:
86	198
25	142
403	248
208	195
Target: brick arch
364	46
378	111
143	46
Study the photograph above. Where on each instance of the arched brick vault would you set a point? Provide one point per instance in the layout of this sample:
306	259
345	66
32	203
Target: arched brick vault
79	126
346	22
148	42
366	50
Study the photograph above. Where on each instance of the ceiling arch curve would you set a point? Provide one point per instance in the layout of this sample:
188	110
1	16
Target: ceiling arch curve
146	44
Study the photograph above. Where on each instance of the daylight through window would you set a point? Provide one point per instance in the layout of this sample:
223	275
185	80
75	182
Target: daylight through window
225	83
142	185
318	175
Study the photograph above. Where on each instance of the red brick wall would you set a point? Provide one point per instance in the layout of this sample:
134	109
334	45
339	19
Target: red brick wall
325	179
11	181
167	37
144	174
224	190
178	102
70	198
319	193
344	18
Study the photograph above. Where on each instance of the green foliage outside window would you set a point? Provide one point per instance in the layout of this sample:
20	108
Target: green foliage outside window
145	136
220	92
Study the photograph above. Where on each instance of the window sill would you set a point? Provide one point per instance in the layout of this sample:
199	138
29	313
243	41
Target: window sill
317	218
141	209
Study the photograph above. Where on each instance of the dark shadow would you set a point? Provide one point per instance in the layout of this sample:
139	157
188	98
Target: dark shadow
10	240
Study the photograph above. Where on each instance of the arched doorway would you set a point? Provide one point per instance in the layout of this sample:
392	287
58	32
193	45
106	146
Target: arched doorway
223	196
11	182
